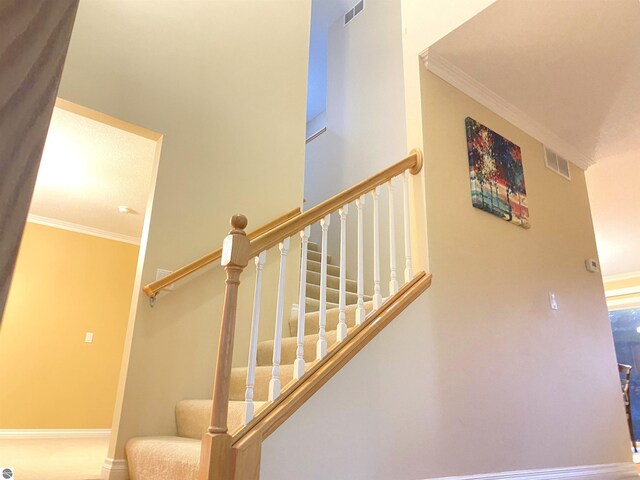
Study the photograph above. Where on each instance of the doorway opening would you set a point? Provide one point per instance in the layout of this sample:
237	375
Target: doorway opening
63	330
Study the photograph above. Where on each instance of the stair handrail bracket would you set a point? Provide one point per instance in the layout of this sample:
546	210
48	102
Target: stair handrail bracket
237	457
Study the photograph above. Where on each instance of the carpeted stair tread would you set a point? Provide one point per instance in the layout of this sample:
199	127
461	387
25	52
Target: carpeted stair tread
333	295
193	417
163	458
332	282
313	246
311	319
289	347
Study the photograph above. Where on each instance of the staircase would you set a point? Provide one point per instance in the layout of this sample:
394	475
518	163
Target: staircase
221	439
164	458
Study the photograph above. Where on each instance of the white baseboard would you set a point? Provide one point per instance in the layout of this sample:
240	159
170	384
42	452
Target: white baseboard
55	433
612	471
115	469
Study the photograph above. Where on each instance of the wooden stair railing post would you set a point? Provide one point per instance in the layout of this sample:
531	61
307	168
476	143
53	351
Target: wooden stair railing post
215	454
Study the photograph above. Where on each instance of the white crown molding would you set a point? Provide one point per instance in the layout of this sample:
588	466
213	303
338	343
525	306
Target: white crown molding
115	469
74	227
494	102
55	433
612	471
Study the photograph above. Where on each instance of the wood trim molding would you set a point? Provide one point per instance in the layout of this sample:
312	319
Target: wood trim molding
107	119
154	287
74	227
612	471
269	419
115	469
54	433
494	102
413	163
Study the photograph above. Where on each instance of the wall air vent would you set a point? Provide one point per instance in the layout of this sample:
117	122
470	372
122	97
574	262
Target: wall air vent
556	163
351	14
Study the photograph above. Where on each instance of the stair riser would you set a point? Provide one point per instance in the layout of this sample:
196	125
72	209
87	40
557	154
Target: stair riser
313	305
193	417
333	295
332	282
316	256
332	270
289	348
261	386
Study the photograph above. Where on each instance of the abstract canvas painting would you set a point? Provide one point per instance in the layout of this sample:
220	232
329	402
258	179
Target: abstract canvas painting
497	178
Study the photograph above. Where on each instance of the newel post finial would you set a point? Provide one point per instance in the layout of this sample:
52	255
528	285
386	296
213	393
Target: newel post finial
216	442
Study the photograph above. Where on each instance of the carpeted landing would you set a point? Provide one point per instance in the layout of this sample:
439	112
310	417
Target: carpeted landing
168	458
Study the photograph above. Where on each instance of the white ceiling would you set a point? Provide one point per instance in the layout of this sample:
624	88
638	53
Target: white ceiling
615	202
88	169
572	66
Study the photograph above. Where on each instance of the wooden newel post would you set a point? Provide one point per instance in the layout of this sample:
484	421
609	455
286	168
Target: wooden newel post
215	454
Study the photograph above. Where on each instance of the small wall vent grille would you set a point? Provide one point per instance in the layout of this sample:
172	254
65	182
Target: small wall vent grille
556	163
351	14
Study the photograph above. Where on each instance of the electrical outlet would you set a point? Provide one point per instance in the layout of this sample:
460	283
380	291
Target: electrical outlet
88	337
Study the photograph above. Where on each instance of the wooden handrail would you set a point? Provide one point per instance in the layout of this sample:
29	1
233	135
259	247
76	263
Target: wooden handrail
153	288
413	163
223	457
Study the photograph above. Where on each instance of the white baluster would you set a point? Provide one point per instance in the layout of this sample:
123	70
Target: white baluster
393	281
321	347
408	271
298	364
253	346
377	295
360	312
274	383
341	333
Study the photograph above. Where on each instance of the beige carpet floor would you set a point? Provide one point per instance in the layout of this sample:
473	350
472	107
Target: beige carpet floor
54	459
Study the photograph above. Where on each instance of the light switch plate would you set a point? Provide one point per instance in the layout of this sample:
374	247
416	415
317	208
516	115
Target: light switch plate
88	337
553	301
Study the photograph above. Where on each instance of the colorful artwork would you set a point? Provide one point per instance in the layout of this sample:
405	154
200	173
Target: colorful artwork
497	178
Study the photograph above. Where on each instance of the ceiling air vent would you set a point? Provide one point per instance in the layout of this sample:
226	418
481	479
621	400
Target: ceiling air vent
350	15
556	163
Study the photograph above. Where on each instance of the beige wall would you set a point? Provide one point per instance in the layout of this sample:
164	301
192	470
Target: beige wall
423	24
65	284
479	374
34	37
366	132
228	91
